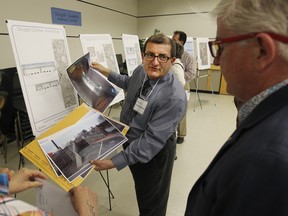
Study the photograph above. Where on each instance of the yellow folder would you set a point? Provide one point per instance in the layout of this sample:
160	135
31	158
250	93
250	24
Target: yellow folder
34	153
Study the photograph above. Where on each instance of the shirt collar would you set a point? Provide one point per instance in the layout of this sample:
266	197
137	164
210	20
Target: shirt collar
250	105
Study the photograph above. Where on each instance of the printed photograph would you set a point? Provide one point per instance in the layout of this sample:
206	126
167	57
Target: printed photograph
92	87
92	138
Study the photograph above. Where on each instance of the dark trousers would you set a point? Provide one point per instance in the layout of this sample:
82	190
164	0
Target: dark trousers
152	181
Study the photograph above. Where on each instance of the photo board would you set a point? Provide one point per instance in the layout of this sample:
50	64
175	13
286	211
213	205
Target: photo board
132	52
203	55
189	46
42	57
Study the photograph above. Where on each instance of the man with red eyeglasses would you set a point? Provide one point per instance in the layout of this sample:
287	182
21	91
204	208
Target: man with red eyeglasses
249	175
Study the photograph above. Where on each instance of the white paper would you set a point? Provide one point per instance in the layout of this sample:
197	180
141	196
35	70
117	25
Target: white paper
53	199
19	205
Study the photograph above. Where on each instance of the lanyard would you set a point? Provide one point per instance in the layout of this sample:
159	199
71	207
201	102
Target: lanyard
143	97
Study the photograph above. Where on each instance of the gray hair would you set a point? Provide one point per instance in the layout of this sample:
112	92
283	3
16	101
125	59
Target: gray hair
247	16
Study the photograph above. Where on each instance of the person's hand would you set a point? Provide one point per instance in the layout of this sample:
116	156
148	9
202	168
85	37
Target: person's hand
103	70
102	164
7	171
24	179
84	201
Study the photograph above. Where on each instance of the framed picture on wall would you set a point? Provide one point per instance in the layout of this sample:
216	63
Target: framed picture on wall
203	56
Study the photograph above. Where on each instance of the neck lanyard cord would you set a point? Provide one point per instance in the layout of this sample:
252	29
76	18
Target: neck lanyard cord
150	91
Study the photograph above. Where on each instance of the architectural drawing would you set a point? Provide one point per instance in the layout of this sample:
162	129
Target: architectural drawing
132	52
42	56
203	55
62	63
189	46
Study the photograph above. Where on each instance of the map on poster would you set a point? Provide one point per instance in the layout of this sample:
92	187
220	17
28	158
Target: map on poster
42	56
132	52
101	49
203	55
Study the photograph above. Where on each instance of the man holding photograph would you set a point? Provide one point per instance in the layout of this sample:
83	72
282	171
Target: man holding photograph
155	104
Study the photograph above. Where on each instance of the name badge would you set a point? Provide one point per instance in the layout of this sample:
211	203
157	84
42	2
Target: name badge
140	106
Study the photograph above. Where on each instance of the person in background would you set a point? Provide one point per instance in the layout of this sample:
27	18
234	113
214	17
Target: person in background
249	175
177	67
154	105
189	64
178	70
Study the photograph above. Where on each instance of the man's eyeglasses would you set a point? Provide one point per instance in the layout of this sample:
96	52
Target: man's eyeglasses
161	57
216	48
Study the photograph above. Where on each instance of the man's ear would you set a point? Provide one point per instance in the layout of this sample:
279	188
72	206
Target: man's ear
172	60
267	50
142	54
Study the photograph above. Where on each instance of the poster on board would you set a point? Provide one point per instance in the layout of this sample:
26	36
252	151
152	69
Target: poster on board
203	55
101	49
132	52
42	57
189	46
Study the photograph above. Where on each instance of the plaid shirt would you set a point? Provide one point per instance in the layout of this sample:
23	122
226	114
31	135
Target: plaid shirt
189	64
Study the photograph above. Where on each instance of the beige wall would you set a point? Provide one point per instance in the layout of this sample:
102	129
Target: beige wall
139	17
95	20
190	16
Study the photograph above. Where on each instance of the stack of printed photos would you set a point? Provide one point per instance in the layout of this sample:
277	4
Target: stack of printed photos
70	150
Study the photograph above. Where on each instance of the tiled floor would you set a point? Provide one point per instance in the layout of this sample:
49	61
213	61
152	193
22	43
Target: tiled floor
207	131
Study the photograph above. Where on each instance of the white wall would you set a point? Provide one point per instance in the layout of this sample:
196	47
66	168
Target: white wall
190	16
140	17
95	20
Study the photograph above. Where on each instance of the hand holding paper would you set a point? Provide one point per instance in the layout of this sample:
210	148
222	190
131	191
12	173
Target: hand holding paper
103	164
24	179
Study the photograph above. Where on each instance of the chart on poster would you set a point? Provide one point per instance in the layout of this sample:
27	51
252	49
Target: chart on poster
101	49
132	52
42	56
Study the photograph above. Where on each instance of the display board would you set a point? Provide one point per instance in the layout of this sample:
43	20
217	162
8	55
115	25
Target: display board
42	57
101	49
132	52
203	55
189	46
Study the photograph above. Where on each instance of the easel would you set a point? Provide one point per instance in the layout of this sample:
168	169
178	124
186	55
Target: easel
106	181
200	75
